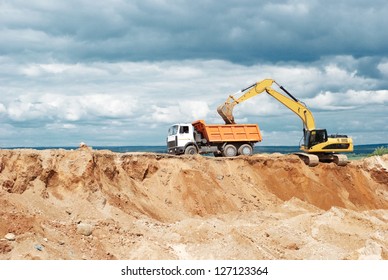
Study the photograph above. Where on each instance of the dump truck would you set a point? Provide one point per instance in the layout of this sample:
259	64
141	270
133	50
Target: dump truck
226	140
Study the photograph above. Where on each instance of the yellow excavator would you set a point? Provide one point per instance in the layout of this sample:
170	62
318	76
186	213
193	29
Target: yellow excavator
317	145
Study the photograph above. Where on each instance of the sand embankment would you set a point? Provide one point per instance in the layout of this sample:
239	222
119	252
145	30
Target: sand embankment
87	204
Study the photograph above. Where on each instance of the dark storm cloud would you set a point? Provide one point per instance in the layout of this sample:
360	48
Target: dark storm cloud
238	31
108	71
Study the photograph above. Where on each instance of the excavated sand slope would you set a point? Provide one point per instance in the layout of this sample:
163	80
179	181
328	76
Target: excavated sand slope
87	204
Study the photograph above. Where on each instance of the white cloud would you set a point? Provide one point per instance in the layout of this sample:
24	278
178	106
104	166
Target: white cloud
51	107
125	97
365	98
349	99
291	8
185	111
2	108
327	101
73	70
194	109
162	114
383	68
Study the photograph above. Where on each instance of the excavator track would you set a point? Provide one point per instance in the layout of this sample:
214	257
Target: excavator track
309	159
313	160
340	160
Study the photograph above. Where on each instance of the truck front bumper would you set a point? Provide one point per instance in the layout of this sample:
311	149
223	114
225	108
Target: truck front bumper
176	150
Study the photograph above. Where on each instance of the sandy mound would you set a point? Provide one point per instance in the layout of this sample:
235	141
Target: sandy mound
87	204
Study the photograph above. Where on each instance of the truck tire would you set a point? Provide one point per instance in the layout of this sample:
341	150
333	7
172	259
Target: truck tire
229	151
191	150
245	150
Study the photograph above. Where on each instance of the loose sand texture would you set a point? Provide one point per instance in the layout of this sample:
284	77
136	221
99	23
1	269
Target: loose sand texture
87	204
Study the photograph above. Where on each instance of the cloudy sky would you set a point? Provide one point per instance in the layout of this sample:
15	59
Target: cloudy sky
120	72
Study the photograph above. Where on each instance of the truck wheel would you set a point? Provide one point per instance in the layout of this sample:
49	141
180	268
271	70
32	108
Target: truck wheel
191	150
229	151
245	150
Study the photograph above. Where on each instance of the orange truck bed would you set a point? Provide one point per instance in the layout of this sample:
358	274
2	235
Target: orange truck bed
228	132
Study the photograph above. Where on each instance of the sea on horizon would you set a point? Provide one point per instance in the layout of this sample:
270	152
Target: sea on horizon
359	150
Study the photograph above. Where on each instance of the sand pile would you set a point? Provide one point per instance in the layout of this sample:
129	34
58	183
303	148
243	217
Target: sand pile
87	204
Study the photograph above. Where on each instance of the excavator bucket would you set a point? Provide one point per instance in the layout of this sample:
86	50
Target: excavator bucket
226	112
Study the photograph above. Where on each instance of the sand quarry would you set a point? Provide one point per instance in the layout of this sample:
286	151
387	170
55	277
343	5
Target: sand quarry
87	204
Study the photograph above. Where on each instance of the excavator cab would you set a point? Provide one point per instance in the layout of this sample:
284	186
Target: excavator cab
314	137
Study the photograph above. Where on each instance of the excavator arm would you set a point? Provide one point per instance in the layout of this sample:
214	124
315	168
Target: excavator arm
226	110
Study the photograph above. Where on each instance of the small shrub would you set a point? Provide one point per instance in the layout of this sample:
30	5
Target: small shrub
379	151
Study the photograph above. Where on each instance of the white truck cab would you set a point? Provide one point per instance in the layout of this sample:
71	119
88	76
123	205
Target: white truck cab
179	137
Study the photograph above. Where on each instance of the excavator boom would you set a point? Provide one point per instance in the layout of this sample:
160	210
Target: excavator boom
226	110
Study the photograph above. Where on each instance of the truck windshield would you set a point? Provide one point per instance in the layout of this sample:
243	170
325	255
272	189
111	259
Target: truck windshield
173	130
